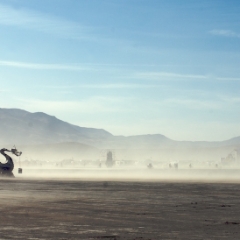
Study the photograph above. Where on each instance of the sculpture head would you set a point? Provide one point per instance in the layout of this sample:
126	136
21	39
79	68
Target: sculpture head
16	152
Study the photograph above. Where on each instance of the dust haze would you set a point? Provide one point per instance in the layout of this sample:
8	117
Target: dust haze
71	190
77	161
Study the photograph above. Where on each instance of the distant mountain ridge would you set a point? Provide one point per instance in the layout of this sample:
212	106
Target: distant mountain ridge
22	127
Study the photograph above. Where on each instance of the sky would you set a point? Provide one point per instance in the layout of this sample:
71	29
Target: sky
130	67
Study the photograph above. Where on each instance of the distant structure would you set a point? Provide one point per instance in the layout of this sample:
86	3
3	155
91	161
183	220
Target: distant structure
109	161
173	165
232	157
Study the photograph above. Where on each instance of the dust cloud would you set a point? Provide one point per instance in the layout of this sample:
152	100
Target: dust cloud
202	175
121	194
74	161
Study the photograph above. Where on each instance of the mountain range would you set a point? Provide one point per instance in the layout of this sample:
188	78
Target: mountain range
25	128
20	127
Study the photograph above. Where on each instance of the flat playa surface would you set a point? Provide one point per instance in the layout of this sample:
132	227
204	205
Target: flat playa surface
83	209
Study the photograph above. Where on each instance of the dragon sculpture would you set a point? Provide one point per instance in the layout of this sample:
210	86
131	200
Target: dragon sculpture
7	168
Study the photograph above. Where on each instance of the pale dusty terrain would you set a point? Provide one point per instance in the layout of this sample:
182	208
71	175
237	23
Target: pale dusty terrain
81	209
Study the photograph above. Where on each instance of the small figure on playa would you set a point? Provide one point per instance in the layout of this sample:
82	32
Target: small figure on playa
150	166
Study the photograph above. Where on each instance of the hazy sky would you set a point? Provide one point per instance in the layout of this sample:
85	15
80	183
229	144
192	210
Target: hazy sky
128	66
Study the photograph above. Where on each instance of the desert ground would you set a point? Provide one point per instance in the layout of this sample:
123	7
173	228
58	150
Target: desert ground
80	208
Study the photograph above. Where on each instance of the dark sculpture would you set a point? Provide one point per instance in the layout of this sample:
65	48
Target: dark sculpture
7	168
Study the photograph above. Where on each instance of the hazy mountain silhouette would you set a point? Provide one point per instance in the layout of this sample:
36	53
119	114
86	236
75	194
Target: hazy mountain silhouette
22	127
25	128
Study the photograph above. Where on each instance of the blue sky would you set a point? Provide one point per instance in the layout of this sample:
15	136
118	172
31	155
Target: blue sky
128	66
